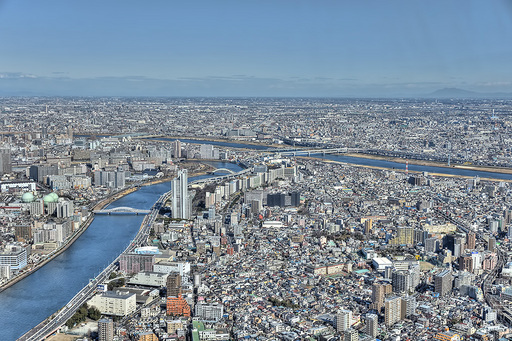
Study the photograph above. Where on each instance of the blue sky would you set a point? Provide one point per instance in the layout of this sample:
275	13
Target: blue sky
254	48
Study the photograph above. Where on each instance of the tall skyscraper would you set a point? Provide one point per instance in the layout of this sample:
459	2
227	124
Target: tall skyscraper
401	281
471	240
408	306
372	322
5	161
368	224
379	292
174	285
176	149
466	263
393	310
491	245
106	329
181	203
443	282
343	320
206	151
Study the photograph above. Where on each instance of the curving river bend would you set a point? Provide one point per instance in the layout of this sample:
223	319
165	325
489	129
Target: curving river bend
30	301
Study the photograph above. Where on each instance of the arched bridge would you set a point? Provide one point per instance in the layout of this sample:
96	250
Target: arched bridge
122	210
224	170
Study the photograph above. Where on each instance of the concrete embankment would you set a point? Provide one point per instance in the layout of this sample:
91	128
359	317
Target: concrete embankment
431	163
403	170
83	227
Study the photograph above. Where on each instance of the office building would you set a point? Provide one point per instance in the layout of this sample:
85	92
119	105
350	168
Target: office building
295	196
458	246
181	203
39	172
431	244
168	267
392	310
106	329
130	263
443	282
276	199
209	312
14	256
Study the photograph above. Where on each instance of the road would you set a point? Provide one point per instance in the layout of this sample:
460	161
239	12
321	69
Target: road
490	277
52	324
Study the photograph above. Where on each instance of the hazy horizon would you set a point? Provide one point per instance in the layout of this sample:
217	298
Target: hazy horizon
370	49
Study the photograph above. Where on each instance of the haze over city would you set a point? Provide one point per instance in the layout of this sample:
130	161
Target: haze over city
254	48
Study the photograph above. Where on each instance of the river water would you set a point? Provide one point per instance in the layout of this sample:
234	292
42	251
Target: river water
30	301
36	297
365	161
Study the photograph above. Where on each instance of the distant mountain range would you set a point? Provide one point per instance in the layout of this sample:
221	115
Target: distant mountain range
461	93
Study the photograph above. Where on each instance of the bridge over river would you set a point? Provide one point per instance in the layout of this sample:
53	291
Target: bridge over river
122	210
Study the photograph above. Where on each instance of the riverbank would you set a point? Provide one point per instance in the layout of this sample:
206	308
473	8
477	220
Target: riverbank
431	163
142	234
83	227
401	170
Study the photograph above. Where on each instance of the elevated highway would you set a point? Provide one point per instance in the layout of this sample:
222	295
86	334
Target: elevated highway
52	324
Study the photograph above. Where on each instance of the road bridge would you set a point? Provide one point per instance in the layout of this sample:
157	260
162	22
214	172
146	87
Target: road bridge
52	324
122	210
312	151
221	177
223	170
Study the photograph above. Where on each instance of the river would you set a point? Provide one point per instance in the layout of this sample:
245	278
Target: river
41	294
364	161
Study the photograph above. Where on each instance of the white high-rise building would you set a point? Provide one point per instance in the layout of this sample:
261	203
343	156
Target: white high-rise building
393	310
181	203
176	149
343	320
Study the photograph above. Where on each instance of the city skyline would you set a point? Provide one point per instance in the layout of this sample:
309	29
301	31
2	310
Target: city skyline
228	48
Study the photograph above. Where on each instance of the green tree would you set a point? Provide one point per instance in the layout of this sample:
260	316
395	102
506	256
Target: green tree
93	313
